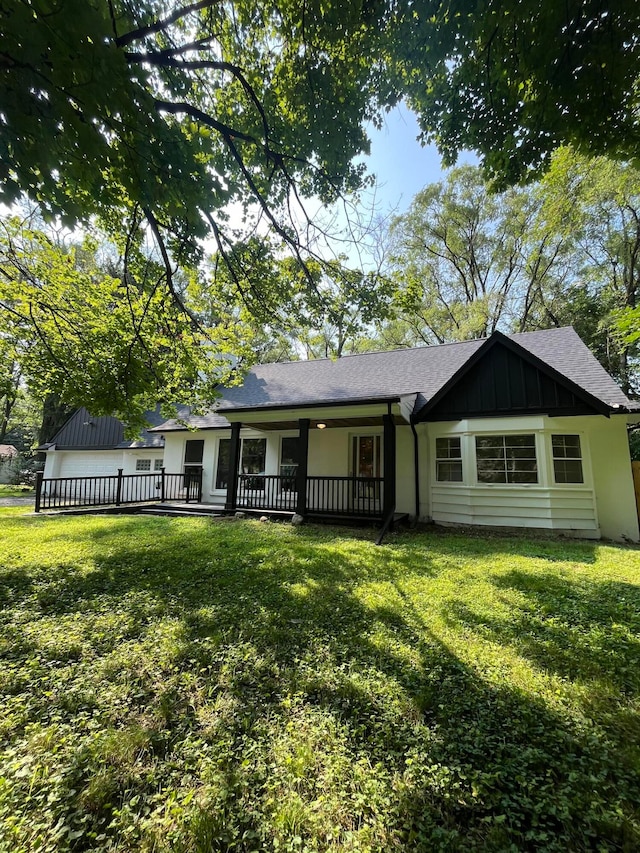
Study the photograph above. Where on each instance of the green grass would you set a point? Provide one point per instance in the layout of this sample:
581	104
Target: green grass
15	491
196	685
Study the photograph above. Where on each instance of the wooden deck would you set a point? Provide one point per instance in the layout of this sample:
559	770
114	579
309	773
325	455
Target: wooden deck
216	510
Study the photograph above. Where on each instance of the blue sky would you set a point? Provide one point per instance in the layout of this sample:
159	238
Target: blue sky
402	165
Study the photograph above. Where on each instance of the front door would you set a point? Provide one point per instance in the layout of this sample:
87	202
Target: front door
366	467
193	452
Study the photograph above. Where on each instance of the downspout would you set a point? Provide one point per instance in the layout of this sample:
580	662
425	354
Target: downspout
416	468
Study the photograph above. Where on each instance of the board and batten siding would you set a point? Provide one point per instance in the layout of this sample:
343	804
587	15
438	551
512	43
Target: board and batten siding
603	505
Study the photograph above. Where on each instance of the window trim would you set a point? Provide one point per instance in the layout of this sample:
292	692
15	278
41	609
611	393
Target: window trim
581	459
448	460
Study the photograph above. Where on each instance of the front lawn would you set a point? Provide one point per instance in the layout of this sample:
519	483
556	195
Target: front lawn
196	685
7	491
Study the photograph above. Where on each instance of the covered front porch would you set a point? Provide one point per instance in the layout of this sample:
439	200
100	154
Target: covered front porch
366	491
338	463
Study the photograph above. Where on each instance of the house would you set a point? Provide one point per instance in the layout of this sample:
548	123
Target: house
524	430
88	446
9	463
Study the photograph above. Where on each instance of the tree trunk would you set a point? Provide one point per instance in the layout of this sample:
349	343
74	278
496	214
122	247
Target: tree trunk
54	416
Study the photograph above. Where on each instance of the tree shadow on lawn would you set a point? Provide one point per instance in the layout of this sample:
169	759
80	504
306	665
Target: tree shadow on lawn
578	628
281	655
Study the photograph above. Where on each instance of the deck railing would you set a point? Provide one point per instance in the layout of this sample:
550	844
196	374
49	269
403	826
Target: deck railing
267	491
346	496
116	489
360	497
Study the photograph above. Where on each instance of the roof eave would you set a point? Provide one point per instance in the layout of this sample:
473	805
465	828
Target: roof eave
357	401
278	407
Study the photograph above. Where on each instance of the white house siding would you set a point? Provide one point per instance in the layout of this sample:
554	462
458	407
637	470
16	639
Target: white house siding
405	471
508	506
603	505
613	480
174	449
96	463
424	456
130	458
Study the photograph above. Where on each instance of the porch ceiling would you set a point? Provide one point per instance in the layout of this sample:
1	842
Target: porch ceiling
331	423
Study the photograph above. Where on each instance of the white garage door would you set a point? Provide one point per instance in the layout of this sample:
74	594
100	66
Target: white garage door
90	463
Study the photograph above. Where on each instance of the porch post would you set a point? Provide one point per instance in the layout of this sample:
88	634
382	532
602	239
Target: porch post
39	479
303	465
234	465
119	487
389	473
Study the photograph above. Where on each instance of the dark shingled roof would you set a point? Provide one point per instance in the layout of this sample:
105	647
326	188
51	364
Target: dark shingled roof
385	375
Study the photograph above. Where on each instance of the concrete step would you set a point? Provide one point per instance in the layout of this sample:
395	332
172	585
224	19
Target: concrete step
184	512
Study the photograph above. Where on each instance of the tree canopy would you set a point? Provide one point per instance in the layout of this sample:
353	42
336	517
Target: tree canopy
206	119
562	251
468	261
184	108
515	79
101	335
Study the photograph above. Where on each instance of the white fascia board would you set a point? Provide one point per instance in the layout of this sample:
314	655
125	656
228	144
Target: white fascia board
318	413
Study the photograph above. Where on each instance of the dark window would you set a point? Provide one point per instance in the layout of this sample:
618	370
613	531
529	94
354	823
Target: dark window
143	464
193	461
567	459
366	456
506	459
254	451
224	463
193	452
448	460
253	461
289	462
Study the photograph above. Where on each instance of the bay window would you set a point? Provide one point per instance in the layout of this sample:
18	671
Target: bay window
506	459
